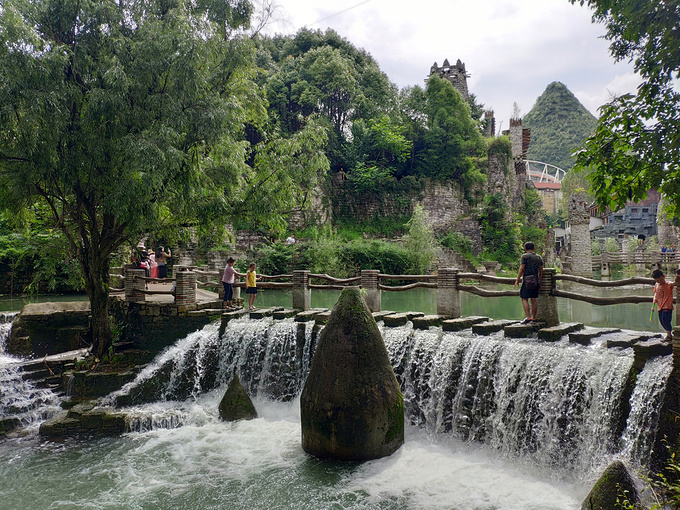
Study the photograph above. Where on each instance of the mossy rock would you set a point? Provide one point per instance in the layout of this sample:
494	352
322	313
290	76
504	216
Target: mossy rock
351	407
614	484
236	404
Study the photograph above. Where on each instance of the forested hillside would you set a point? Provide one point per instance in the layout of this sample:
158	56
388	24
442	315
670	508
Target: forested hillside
559	123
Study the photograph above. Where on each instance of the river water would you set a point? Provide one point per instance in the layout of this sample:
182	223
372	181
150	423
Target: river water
493	424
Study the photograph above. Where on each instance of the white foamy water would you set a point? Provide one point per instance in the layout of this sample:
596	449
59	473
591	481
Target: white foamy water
259	464
21	399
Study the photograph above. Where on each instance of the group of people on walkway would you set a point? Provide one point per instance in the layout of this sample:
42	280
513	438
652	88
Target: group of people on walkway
155	264
228	279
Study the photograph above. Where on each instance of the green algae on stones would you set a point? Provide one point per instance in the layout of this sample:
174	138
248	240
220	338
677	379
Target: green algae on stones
236	404
351	407
614	485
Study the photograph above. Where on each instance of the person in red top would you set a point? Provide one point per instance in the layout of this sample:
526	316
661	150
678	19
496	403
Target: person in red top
663	297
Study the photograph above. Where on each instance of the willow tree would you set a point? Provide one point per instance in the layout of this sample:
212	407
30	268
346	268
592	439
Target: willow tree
121	113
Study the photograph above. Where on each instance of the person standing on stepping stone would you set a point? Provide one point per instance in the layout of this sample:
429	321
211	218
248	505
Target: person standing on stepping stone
531	267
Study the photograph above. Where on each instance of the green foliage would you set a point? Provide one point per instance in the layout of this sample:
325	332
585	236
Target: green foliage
501	148
636	146
458	242
652	244
611	245
123	117
420	241
272	259
499	236
595	247
36	259
452	141
559	124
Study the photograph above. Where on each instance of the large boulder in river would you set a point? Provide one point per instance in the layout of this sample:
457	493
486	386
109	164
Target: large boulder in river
614	484
236	404
351	407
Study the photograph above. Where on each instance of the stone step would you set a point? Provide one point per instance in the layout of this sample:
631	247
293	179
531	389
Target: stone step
395	320
309	315
426	321
628	339
486	328
378	316
285	313
554	333
585	337
322	317
652	347
413	315
522	330
462	323
265	312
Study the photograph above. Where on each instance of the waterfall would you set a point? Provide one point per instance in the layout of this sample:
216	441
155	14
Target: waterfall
645	404
21	401
556	406
6	319
270	357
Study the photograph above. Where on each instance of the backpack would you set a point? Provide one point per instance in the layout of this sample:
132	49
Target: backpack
531	282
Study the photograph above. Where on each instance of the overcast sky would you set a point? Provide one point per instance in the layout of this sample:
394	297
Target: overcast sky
512	49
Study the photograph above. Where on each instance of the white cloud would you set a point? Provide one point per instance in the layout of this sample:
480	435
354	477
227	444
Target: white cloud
512	49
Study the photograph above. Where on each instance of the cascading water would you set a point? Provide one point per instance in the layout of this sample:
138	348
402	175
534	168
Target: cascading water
20	399
558	407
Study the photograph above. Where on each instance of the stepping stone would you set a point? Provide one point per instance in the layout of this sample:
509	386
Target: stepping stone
267	312
426	321
585	337
284	314
378	316
654	347
486	328
322	317
412	315
395	320
556	332
462	323
625	339
309	315
522	330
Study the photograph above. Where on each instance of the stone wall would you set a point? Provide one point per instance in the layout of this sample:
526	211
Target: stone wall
579	220
444	203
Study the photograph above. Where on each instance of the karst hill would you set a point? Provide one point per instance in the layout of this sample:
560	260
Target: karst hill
559	123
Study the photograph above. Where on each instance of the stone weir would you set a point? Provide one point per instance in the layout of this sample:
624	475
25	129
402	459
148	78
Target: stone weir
46	329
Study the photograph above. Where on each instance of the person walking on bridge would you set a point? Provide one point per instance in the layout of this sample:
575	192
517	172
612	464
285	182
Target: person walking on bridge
531	268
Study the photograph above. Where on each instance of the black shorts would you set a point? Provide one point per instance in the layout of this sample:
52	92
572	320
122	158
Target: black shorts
251	290
525	293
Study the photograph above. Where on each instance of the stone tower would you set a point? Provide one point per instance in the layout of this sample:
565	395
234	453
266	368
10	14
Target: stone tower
579	220
455	74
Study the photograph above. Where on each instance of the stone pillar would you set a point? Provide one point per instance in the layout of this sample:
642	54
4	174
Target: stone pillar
369	283
666	232
547	303
448	295
579	219
134	286
605	268
185	290
302	294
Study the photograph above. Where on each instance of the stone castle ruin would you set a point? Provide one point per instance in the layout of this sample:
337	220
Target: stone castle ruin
455	74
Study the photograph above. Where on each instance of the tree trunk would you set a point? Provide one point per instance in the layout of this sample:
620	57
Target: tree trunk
96	272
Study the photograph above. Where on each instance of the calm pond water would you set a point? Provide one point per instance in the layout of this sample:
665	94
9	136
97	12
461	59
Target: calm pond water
626	316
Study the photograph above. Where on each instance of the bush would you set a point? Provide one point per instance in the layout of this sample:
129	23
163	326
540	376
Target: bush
459	242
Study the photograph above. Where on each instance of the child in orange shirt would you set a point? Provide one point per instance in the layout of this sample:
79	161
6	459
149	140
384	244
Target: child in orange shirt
663	297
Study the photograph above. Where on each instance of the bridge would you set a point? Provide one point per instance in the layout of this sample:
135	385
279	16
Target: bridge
539	171
190	297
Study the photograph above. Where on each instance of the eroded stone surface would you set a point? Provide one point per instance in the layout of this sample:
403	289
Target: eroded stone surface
351	407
